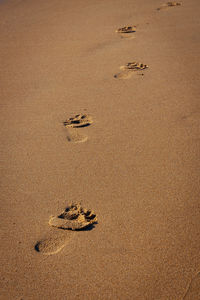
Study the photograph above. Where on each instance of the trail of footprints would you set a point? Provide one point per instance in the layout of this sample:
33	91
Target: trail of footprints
75	217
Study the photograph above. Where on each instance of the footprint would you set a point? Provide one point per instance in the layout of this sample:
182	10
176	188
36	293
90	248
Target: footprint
169	4
129	68
193	292
72	124
74	217
126	32
53	244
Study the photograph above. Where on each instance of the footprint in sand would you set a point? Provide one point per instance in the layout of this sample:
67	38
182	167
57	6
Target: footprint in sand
193	291
169	4
127	31
129	69
74	217
72	124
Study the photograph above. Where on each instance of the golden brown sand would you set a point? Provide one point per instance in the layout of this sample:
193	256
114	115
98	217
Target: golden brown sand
138	167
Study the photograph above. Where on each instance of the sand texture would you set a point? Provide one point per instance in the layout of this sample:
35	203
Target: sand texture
124	141
193	291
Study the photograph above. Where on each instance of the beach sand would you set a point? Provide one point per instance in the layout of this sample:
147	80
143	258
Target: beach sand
136	166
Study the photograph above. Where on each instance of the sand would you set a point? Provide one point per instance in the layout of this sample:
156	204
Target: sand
136	166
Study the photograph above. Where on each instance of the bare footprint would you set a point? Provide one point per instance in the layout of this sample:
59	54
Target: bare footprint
53	244
72	125
169	4
129	69
74	217
193	292
126	32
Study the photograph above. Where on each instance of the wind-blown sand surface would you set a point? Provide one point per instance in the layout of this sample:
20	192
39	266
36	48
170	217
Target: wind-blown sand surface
137	165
